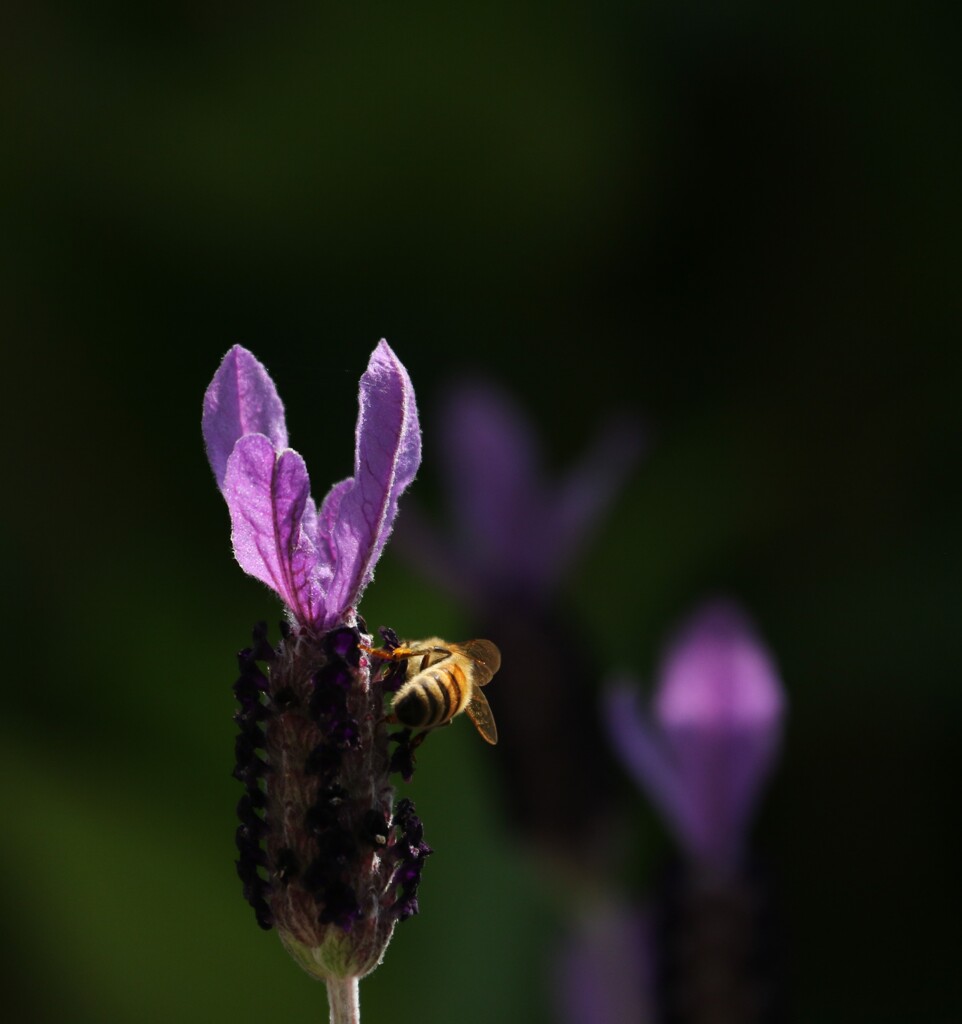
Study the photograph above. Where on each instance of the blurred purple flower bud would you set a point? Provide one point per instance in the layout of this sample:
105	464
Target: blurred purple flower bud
604	972
323	855
516	532
712	736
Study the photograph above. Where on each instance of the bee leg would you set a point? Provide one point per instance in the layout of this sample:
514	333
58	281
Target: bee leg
423	735
419	739
398	654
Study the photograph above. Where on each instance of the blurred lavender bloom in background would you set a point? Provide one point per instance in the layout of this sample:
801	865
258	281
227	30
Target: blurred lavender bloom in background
703	755
708	746
604	970
515	534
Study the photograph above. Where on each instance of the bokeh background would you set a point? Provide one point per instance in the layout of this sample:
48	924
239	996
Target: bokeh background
739	223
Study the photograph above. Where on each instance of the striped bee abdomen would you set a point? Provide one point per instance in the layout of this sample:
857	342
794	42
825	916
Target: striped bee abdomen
432	697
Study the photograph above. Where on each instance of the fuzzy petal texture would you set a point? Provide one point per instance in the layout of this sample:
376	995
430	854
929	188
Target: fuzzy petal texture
387	456
713	736
241	399
272	522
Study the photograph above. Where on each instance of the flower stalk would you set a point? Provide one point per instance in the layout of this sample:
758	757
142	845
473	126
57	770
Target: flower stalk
344	1001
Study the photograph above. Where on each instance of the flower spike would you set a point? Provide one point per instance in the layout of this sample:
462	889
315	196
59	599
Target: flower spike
323	854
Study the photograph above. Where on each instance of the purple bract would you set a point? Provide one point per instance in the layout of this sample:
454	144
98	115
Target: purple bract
317	558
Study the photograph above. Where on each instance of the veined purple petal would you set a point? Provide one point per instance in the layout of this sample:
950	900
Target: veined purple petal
719	706
387	456
241	399
268	495
327	518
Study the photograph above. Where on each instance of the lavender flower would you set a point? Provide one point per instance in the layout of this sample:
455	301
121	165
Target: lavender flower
323	854
708	747
703	756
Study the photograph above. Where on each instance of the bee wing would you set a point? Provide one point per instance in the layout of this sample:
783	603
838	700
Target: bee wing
486	658
479	711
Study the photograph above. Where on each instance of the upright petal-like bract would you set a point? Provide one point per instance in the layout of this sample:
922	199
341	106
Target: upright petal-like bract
324	855
319	564
388	453
711	740
240	400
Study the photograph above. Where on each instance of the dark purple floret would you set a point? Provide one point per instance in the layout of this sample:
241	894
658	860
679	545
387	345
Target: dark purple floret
410	851
406	908
390	638
247	812
246	744
252	825
256	891
402	760
392	676
249	687
262	912
343	643
262	650
249	772
249	769
249	847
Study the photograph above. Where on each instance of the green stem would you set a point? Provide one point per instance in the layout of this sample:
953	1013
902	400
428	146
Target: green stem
344	1001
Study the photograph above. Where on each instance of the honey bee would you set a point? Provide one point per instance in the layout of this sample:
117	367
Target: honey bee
442	680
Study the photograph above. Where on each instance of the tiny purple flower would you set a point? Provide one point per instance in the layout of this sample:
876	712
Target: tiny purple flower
712	737
323	854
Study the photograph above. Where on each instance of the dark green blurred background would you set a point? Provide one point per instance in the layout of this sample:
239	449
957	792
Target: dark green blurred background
742	224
